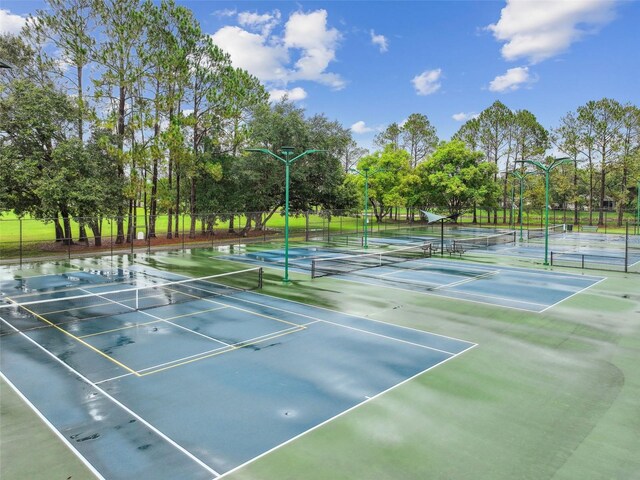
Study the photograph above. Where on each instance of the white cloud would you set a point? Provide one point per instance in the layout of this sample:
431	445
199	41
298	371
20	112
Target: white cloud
361	127
250	52
265	22
463	116
379	40
10	23
295	94
427	82
510	81
268	56
538	30
308	32
227	12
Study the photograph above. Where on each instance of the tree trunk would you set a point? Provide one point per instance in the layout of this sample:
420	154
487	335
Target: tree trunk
95	226
576	207
231	228
66	223
602	192
192	208
121	131
58	229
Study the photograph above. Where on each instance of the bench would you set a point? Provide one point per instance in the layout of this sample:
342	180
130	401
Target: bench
589	228
451	249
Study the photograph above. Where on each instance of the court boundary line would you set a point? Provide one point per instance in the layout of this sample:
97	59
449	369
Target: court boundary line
355	328
115	401
573	294
441	295
51	427
323	423
253	292
387	337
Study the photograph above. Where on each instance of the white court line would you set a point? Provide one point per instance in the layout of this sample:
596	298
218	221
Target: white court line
118	403
528	271
573	294
316	319
163	320
342	313
44	419
367	400
249	341
467	280
387	337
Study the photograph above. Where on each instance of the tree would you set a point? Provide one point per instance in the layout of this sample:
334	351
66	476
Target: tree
388	169
529	141
123	36
495	137
390	136
419	137
455	176
606	117
34	121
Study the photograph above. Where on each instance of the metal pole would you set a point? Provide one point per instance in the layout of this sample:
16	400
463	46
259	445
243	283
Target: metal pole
638	209
626	248
20	243
286	222
442	237
520	212
366	205
546	217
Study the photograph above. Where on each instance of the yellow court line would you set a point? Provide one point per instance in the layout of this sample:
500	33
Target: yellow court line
76	338
238	308
236	346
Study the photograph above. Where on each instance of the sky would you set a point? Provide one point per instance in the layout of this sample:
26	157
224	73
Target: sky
368	64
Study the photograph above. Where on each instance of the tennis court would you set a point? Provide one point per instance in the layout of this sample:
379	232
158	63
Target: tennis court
505	286
153	375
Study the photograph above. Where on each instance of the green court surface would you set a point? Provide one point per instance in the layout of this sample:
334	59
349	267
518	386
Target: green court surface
544	394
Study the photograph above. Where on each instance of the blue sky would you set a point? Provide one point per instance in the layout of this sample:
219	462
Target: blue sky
368	64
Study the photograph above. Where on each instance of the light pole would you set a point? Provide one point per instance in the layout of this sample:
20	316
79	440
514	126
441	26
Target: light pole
365	171
521	176
287	152
546	168
638	208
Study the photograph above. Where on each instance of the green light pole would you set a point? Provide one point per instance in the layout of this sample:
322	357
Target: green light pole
365	171
287	152
521	176
546	168
638	208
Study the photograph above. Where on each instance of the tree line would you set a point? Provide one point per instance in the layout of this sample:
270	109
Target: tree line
115	105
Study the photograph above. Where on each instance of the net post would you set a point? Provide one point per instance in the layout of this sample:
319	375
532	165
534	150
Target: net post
260	277
137	299
313	268
20	241
626	248
552	258
582	258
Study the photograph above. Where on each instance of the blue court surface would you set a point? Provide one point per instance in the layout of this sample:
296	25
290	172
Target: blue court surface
511	287
195	389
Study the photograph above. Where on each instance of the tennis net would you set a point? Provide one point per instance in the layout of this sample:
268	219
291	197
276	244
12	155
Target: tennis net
553	230
67	306
321	267
485	242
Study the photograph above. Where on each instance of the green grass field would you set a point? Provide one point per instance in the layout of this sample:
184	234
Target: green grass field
550	395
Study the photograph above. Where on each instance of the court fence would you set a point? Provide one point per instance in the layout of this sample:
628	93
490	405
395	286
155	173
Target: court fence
628	261
29	238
